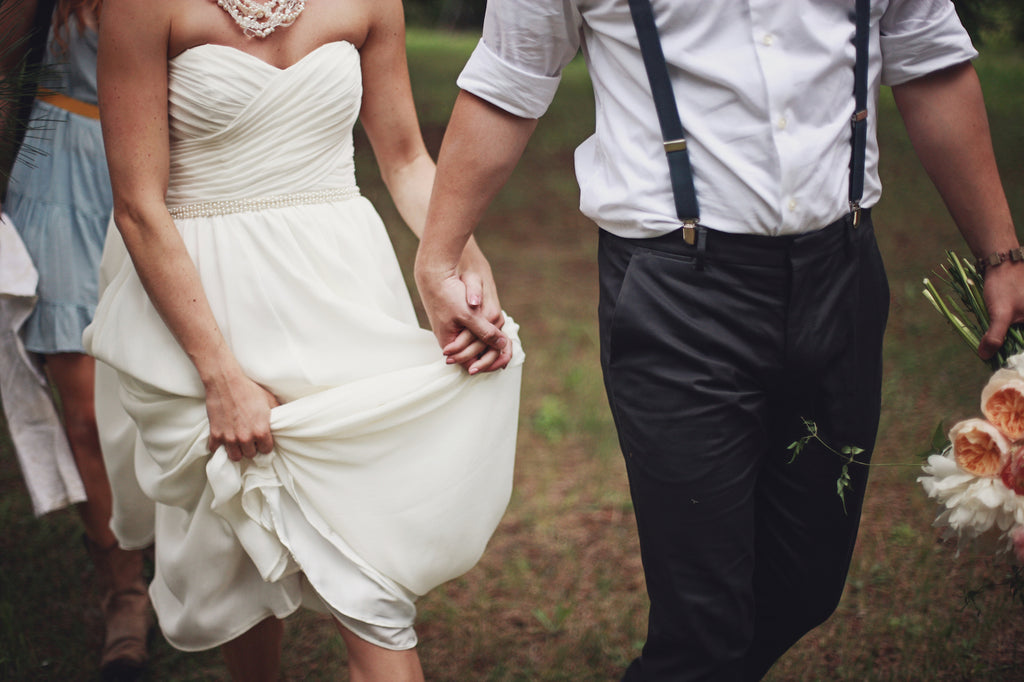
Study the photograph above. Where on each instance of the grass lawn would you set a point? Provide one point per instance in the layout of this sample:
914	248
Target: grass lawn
560	594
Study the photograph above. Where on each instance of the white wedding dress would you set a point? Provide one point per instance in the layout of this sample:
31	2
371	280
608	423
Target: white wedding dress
391	469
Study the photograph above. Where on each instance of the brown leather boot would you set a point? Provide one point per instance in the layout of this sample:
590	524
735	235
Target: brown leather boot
126	612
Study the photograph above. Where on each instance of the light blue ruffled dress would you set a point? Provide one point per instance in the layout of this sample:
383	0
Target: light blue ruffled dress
60	200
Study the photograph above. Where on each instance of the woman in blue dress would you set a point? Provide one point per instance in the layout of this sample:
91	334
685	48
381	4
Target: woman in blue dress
59	200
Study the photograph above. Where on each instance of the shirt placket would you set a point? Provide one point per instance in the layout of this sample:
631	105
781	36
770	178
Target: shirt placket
769	42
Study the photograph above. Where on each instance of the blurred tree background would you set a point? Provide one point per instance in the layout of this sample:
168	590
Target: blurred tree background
450	14
981	17
1003	18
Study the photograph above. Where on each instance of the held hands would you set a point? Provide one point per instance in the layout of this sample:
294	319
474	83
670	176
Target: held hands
1004	296
239	413
464	312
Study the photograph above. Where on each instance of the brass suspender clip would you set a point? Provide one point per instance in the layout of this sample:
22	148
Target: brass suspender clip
690	231
859	116
690	224
675	145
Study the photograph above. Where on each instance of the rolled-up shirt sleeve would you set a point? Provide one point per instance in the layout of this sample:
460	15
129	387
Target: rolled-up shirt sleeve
518	62
919	37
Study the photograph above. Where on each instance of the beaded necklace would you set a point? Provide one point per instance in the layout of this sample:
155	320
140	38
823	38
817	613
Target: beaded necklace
259	19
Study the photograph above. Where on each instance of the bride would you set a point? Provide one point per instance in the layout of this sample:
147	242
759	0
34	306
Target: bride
306	442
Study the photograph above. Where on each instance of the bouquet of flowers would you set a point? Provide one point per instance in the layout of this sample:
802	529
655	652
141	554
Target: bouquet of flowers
979	477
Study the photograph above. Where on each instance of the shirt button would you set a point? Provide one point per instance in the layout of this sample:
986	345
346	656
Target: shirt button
792	205
768	39
781	123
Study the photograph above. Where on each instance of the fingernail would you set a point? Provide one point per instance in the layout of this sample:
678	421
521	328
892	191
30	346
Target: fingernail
474	300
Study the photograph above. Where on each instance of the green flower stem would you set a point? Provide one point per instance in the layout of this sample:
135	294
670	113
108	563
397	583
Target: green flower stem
847	453
965	331
965	308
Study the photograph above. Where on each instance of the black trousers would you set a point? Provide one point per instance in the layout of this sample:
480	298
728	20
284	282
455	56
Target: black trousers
712	356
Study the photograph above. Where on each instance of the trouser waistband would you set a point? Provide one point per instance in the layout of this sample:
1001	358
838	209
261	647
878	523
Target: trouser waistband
754	249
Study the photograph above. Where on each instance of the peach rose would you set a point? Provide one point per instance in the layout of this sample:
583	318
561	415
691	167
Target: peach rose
1002	402
979	448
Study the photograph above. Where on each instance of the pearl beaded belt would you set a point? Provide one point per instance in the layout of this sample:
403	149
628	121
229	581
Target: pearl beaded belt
207	209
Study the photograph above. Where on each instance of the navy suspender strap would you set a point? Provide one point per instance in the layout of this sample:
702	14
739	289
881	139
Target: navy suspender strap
668	116
859	120
674	135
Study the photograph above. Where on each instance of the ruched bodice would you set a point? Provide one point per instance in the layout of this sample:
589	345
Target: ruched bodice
230	112
390	468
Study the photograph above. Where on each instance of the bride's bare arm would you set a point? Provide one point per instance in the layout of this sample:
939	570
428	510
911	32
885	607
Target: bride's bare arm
132	80
389	118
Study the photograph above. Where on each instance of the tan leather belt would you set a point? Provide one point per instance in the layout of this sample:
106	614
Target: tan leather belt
70	104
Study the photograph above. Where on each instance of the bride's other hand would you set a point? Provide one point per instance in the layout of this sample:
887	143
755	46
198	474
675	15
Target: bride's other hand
467	349
475	355
456	324
239	413
453	277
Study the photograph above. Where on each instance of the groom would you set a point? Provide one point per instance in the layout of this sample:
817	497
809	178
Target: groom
718	337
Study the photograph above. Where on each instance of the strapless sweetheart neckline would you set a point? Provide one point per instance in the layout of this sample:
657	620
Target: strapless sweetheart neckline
236	50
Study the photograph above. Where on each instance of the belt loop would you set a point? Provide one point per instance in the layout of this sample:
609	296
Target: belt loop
702	241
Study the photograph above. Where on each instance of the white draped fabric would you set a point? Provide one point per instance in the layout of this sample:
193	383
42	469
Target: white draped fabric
390	469
37	433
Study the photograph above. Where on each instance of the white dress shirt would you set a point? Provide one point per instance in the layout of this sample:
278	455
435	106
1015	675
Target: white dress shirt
764	90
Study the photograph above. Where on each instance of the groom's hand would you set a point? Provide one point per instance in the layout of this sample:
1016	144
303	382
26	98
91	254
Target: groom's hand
1004	297
469	351
481	147
481	296
465	315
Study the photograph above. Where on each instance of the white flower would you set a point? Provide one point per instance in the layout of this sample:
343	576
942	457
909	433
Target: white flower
973	504
1016	363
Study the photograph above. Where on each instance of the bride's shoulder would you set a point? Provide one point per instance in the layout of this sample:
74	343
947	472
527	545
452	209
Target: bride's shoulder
171	26
129	29
357	21
141	12
354	21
